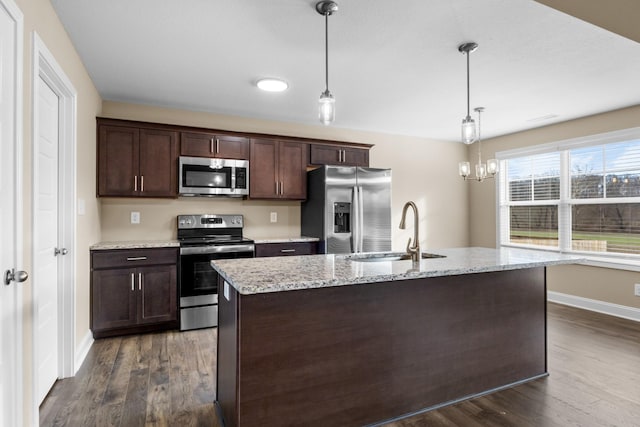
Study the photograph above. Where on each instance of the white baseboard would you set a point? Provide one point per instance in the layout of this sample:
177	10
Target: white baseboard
82	351
611	309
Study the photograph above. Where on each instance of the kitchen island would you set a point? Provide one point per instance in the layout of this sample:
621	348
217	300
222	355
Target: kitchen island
338	340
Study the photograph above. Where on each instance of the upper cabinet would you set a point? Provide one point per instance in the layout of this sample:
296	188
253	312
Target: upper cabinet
136	161
278	169
201	144
341	155
140	159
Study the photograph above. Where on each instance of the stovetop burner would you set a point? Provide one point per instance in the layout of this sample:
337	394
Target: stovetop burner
210	229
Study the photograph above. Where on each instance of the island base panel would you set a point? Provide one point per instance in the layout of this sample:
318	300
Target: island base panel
361	354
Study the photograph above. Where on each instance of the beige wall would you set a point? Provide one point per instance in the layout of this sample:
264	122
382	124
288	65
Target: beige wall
39	16
424	171
609	285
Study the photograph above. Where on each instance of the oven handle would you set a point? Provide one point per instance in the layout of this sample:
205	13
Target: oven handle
216	249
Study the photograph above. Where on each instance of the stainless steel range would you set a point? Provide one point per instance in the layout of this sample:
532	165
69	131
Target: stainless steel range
204	238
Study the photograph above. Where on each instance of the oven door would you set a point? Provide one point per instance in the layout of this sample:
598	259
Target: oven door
197	277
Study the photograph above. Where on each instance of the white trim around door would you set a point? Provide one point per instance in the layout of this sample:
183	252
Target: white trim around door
11	98
46	68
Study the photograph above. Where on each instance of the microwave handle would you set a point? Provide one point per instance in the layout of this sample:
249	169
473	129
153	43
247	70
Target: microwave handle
233	178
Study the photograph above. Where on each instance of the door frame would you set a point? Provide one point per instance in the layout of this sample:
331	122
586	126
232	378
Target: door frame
45	67
16	399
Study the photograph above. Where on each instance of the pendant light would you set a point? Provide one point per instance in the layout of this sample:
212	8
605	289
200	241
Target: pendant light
483	171
468	125
327	103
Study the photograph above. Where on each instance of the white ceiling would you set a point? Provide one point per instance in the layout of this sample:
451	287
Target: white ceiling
394	67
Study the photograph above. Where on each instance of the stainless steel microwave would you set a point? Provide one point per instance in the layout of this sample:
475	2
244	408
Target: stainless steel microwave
201	176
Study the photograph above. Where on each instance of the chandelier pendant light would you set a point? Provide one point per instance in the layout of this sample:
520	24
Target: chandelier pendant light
468	125
327	103
483	171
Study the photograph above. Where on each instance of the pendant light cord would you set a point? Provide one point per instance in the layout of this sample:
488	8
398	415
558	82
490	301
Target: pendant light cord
326	51
479	140
468	96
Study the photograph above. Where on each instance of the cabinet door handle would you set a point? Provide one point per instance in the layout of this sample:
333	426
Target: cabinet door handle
281	188
217	145
287	251
211	145
135	183
141	183
139	281
136	258
133	282
277	187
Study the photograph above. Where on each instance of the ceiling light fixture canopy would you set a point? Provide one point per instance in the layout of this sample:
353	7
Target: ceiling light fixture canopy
271	84
327	103
468	125
483	171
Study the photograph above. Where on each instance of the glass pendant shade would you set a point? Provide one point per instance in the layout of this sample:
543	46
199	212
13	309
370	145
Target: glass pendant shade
326	108
464	169
468	130
481	171
492	166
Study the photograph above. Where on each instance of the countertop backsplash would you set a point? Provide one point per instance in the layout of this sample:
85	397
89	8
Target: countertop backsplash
158	217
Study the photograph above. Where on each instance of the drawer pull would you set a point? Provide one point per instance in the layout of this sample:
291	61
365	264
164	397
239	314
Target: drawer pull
136	258
287	251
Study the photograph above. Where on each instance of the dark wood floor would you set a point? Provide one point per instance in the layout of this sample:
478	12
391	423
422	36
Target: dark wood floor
168	379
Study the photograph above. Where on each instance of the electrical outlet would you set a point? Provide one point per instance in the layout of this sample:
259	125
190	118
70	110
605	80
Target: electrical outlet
135	217
274	216
637	290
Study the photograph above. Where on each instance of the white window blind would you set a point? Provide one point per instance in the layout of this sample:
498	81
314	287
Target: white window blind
605	198
575	197
533	193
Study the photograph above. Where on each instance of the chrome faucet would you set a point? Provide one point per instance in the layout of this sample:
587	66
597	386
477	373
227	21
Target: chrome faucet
415	249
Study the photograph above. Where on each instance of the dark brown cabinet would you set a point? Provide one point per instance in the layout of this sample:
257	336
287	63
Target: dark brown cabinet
323	154
286	249
133	291
136	161
278	169
200	144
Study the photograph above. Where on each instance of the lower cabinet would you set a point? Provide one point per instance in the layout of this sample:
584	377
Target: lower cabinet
133	291
286	249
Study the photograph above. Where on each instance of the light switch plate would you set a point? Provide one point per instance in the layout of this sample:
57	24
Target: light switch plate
135	217
274	216
637	290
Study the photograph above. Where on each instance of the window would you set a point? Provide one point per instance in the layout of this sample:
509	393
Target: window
574	196
533	195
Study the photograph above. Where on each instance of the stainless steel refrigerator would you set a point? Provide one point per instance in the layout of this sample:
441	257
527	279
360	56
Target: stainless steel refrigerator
348	209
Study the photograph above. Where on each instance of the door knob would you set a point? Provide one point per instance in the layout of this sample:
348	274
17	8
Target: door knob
15	276
62	251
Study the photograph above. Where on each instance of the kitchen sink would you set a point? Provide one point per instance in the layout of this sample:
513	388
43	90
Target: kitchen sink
390	256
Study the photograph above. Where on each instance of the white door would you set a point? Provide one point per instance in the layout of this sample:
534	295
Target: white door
46	236
10	230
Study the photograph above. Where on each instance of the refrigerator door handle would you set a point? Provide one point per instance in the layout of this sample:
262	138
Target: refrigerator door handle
354	219
360	220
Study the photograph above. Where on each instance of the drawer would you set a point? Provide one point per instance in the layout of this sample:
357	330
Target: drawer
286	249
120	258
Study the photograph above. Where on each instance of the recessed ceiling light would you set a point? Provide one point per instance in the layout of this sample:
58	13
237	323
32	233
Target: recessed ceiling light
272	85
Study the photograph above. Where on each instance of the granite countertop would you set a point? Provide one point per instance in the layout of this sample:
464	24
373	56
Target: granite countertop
135	244
299	239
276	274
